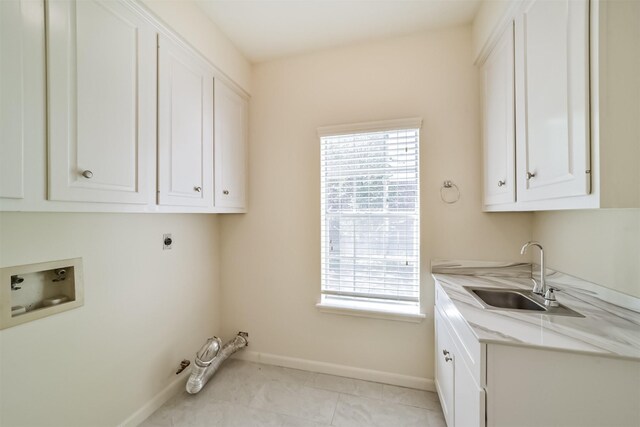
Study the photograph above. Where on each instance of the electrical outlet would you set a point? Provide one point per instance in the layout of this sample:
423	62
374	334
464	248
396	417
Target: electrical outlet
167	241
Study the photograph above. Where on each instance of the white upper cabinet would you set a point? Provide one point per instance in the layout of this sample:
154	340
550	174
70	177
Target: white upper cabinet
231	121
12	69
101	66
552	98
185	128
498	125
106	109
577	79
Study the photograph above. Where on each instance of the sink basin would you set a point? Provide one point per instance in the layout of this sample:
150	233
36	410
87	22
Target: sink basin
516	300
507	299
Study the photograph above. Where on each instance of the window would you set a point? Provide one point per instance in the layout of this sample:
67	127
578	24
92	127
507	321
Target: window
370	213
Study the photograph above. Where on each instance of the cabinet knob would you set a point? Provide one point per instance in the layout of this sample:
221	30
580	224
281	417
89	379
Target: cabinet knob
501	183
445	352
198	189
87	174
448	359
530	175
225	192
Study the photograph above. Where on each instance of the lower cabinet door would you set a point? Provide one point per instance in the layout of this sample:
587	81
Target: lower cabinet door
445	370
469	398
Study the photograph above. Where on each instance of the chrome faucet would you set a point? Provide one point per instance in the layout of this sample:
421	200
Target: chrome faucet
539	288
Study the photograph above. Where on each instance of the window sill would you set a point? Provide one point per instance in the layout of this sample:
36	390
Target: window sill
364	310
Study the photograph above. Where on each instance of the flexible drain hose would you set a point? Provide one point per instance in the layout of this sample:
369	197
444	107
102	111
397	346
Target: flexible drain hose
204	368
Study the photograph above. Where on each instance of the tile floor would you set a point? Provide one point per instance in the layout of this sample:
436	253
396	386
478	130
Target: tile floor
251	394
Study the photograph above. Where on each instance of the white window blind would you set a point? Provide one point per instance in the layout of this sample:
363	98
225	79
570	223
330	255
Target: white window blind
371	213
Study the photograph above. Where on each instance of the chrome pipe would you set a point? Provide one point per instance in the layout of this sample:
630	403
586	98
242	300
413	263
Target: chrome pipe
209	359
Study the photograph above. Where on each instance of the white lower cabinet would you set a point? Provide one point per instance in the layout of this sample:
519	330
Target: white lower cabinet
500	385
469	409
462	399
445	375
540	387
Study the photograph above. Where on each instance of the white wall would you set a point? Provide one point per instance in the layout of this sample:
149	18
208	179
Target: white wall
188	20
601	246
145	310
271	256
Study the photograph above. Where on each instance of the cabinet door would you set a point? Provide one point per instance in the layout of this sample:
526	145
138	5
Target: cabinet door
470	399
499	122
11	100
101	65
185	128
445	369
231	111
552	102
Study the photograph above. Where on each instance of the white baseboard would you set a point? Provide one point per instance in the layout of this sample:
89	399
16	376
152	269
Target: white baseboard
339	370
156	402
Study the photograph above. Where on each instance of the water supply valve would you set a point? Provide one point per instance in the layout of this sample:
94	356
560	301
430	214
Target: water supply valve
183	366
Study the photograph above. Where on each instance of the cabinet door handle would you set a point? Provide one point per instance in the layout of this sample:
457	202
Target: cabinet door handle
225	192
87	174
448	359
197	189
445	352
530	175
501	183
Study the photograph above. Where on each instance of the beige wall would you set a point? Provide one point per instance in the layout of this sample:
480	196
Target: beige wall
601	246
187	19
145	310
271	256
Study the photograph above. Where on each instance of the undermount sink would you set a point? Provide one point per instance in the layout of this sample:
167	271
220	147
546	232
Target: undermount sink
507	299
516	300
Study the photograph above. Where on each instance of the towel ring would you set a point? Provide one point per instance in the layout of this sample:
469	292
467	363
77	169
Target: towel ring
448	185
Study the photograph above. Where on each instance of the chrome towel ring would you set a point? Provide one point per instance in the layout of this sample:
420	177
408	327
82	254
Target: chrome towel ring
449	192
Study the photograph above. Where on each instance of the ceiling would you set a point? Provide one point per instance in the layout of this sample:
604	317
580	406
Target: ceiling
268	29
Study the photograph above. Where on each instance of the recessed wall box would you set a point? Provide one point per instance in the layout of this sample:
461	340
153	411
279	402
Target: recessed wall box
32	291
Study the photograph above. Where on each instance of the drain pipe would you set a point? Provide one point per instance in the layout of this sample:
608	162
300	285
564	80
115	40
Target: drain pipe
210	357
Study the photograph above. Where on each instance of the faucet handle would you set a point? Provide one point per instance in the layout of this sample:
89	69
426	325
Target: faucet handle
550	298
537	287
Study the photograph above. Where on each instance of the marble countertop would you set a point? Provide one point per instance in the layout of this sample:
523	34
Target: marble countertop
611	326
